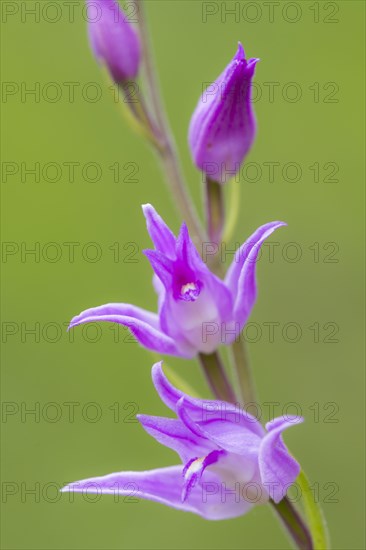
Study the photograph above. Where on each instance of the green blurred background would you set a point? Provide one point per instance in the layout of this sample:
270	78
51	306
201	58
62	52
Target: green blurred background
48	369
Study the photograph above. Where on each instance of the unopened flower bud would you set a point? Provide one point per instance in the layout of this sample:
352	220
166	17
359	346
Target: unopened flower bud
113	39
222	127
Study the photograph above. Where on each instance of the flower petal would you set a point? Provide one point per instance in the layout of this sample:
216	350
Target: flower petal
166	391
206	415
277	467
160	233
143	324
237	437
162	266
161	485
165	485
117	310
240	277
187	251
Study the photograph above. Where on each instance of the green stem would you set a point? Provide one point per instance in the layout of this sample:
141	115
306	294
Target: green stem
294	524
215	218
215	211
243	373
216	376
232	210
167	150
140	113
215	215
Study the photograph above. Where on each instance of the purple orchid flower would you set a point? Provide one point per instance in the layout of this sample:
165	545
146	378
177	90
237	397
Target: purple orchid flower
222	127
113	39
230	462
197	310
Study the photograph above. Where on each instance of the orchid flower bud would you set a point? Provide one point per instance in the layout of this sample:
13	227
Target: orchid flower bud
113	39
222	127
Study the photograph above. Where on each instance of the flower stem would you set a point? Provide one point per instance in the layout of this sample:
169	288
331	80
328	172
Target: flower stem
167	150
216	376
143	122
294	524
246	389
215	217
173	175
232	211
215	211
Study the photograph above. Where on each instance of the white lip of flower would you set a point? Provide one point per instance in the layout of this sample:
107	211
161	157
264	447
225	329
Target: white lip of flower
194	467
237	474
187	287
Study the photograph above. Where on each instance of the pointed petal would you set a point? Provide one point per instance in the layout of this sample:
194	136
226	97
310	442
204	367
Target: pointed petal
186	250
185	320
165	485
160	233
160	485
144	325
277	467
117	310
240	278
162	266
184	245
166	391
203	416
173	434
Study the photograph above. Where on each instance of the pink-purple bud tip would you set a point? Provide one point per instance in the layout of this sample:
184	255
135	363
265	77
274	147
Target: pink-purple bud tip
222	127
113	39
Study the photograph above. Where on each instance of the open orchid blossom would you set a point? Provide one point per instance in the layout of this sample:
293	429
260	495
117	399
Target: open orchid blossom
197	310
229	461
113	39
222	127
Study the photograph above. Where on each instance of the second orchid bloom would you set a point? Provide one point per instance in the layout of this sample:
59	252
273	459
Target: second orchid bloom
197	311
229	461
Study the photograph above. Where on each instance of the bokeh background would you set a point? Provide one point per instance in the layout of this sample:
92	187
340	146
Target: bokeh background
319	47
